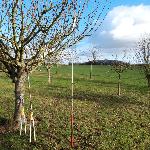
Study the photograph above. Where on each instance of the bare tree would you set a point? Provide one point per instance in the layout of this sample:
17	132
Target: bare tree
93	54
143	56
27	26
50	60
119	67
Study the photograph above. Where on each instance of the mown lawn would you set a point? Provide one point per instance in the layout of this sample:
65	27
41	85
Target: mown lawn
103	120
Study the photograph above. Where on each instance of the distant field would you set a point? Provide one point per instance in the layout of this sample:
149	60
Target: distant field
103	120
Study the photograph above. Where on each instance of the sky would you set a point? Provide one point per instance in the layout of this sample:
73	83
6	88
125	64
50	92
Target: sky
126	22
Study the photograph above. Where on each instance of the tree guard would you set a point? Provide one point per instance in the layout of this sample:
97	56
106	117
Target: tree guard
22	120
31	118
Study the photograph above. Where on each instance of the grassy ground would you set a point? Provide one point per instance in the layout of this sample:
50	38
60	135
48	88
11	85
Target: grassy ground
103	120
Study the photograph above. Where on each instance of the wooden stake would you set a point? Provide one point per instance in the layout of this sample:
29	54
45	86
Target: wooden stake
49	76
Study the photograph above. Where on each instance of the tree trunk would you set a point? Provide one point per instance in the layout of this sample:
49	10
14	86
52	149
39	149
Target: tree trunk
19	97
119	79
56	68
49	76
148	80
91	68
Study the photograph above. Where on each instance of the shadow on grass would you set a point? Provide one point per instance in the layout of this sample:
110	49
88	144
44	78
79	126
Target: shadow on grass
64	92
106	100
4	126
83	81
13	141
3	121
142	89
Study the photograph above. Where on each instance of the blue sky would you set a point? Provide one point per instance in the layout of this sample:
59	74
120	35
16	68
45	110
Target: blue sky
129	2
126	22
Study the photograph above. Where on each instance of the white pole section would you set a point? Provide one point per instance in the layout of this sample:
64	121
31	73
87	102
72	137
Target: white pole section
72	99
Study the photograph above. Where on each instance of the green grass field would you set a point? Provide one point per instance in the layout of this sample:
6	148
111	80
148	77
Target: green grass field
103	120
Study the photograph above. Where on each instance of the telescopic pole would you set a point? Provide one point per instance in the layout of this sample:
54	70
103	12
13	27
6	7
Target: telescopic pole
72	109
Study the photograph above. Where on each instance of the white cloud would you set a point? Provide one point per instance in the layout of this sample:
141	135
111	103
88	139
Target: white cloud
130	22
121	30
124	26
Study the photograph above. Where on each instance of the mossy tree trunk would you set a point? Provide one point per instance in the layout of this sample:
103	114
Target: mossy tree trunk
148	80
91	69
19	95
49	75
57	68
119	81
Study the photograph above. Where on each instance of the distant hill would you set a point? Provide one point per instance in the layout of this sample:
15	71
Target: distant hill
101	62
